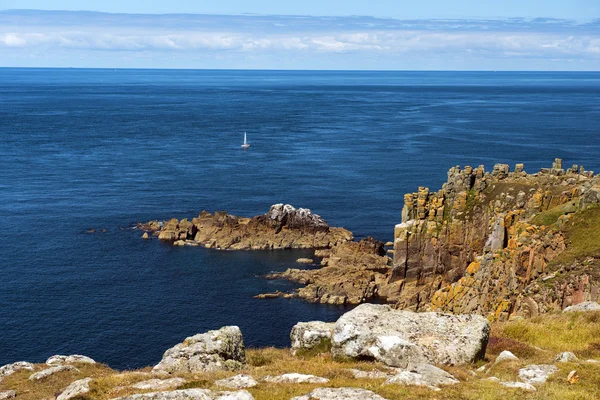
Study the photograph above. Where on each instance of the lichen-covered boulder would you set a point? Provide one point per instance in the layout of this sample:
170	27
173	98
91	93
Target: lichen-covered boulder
8	394
241	381
77	388
585	306
340	394
423	375
296	378
9	369
190	394
159	384
214	350
51	371
311	336
72	359
402	338
537	374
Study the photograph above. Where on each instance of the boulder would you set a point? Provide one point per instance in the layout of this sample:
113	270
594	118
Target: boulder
375	374
305	260
215	350
241	381
51	371
506	356
295	378
72	359
423	375
402	338
8	394
190	394
307	336
566	356
519	385
77	388
159	384
536	374
340	394
9	369
585	306
573	378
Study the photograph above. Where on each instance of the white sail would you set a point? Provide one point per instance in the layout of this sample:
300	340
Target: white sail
245	145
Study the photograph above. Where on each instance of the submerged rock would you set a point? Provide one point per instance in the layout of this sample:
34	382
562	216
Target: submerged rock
403	338
314	335
340	394
211	351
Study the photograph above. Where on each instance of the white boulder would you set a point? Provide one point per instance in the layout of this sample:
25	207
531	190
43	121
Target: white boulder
9	369
423	375
566	356
77	388
43	374
295	378
401	338
159	384
537	374
306	336
211	351
8	394
506	356
519	385
190	394
340	394
585	306
72	359
241	381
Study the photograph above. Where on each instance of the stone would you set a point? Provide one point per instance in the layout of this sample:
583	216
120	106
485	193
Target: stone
222	349
51	371
537	374
401	338
241	381
375	374
573	378
423	375
190	394
340	394
8	394
295	378
519	385
566	356
9	369
159	384
584	306
306	336
506	356
72	359
305	261
77	388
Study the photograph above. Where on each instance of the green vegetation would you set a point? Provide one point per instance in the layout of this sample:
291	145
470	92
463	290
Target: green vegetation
583	235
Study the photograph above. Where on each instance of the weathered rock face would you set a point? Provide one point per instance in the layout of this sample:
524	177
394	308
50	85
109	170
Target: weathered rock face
309	336
159	384
241	381
352	273
482	243
403	338
77	388
283	227
9	369
72	359
423	375
51	371
211	351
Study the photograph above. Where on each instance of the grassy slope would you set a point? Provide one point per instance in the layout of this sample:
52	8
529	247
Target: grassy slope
536	340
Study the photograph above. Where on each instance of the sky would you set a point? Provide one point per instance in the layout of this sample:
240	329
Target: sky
308	34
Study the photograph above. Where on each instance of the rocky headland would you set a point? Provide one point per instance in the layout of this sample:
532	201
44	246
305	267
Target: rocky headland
283	227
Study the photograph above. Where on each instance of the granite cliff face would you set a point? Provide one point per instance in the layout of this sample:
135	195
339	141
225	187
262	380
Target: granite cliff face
496	243
283	227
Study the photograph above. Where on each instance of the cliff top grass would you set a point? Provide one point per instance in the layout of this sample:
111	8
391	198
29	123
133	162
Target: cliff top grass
583	235
534	341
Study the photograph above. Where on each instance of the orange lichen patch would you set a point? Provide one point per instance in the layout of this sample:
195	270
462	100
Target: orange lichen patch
473	268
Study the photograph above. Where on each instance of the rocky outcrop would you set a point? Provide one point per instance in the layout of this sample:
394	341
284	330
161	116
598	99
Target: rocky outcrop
9	369
351	273
211	351
190	394
403	338
423	375
483	243
537	374
75	389
340	394
584	306
72	359
51	371
311	336
295	378
159	384
283	227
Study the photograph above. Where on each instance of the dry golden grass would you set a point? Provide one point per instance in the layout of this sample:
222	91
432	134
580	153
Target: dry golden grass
534	341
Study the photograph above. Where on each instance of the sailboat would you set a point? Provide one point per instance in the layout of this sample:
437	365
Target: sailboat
246	144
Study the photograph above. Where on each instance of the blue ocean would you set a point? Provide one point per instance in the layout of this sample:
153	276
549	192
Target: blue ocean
103	149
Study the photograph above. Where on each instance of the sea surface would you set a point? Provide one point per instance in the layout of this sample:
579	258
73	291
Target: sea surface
105	148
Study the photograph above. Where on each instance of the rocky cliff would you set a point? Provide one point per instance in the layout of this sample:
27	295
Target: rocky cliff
283	227
499	243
